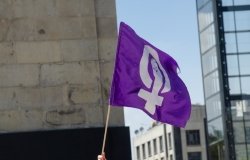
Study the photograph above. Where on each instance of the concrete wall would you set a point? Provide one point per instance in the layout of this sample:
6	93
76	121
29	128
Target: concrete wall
56	61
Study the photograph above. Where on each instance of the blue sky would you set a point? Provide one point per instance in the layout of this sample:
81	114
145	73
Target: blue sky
170	25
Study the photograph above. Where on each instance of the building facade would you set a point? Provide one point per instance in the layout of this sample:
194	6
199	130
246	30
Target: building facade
56	64
151	144
224	32
165	142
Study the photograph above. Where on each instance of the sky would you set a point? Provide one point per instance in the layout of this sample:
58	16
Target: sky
170	25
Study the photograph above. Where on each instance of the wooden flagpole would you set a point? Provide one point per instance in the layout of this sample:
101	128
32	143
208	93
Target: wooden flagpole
105	131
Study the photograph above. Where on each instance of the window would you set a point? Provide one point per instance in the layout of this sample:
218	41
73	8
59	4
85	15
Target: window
228	19
215	130
138	153
242	20
212	85
205	16
193	137
149	149
155	146
194	156
143	151
169	141
162	158
234	85
239	133
248	134
241	2
245	86
243	41
161	144
230	39
241	151
209	61
171	157
227	2
207	38
232	65
213	105
201	3
238	108
244	64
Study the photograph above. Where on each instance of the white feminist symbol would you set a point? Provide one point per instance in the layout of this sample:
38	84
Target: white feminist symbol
161	79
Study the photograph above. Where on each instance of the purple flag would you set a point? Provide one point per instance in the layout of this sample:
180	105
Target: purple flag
146	78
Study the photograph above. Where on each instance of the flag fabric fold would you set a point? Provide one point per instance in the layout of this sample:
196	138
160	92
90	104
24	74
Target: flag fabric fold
146	78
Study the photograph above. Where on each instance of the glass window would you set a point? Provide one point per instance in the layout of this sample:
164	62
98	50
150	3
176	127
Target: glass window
149	149
155	146
205	16
211	83
245	85
234	85
227	2
171	157
161	144
228	20
215	130
247	123
241	2
241	152
240	109
200	3
194	155
209	61
138	153
248	152
244	64
169	141
162	158
237	109
243	41
239	132
242	20
246	107
247	128
230	40
213	107
207	38
193	137
232	65
248	135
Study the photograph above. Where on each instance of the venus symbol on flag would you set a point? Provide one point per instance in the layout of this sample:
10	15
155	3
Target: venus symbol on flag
160	79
